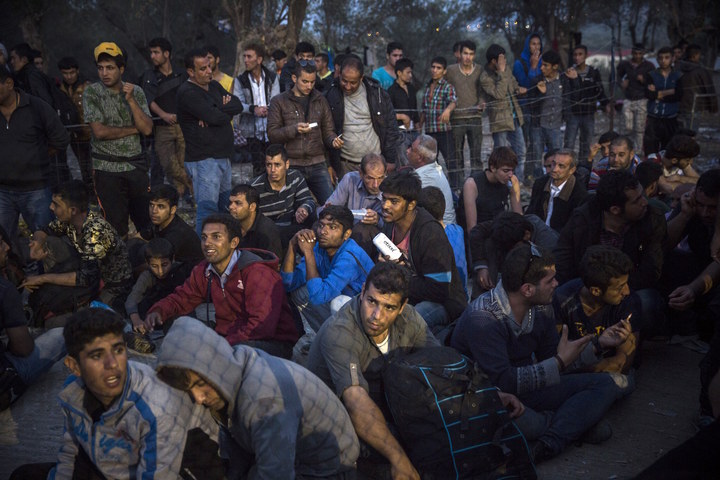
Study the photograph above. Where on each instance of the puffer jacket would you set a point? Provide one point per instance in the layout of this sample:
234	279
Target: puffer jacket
142	435
286	112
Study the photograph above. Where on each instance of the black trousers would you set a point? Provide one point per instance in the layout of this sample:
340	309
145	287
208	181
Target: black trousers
658	133
124	195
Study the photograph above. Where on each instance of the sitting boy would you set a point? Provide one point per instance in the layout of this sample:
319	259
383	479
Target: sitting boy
677	160
155	283
121	422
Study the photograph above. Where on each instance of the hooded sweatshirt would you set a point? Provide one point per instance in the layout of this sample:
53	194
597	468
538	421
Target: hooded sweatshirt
282	421
141	435
250	301
521	68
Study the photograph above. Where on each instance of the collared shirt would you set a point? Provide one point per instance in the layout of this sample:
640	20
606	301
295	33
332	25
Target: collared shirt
554	192
224	276
435	102
258	95
351	192
431	175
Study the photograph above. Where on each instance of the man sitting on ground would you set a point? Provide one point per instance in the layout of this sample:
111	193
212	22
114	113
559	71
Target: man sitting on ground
435	287
332	268
103	254
120	420
553	199
250	303
348	354
598	300
22	360
510	332
278	420
621	157
284	195
258	231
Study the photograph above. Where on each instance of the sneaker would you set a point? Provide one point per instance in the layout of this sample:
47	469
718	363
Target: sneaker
137	342
11	386
540	452
599	433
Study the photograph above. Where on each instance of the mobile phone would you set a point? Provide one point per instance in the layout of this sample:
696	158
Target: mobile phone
313	125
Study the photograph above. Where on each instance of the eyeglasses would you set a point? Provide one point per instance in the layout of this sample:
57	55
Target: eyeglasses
534	252
306	63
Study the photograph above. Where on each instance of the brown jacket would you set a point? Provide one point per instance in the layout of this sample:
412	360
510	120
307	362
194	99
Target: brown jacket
286	112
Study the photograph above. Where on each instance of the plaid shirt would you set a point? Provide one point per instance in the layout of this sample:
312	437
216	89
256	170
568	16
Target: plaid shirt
435	104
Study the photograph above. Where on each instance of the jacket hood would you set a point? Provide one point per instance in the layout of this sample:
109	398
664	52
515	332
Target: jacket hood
193	345
256	255
684	66
526	49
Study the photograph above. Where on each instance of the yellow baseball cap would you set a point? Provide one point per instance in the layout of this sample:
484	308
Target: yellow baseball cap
110	48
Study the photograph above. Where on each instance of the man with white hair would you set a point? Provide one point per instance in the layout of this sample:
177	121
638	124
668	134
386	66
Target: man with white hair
422	155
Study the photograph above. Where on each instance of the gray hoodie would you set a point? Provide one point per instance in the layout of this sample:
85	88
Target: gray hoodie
282	421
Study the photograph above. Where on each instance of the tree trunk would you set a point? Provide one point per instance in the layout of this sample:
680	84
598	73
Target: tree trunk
296	16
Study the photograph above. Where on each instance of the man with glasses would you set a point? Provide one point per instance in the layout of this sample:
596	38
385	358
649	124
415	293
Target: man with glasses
510	332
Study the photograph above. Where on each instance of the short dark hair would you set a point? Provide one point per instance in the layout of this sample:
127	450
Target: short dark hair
389	278
551	57
339	213
522	265
692	49
251	195
338	60
709	182
353	62
257	48
233	226
164	191
647	173
493	52
392	46
440	61
66	63
469	44
275	149
624	139
74	193
278	54
682	146
308	67
118	60
158	248
304	47
608	136
611	189
601	263
432	200
324	56
503	157
402	64
176	377
404	183
456	46
162	43
508	228
581	47
212	50
23	50
664	50
190	57
87	324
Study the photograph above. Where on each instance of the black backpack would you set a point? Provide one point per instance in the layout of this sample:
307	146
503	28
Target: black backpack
451	421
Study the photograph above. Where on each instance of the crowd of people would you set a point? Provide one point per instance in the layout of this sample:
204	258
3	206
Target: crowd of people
358	240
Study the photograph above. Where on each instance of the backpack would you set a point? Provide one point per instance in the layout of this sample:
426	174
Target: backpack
451	420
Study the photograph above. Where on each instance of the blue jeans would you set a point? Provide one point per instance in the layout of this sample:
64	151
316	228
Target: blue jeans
313	315
579	401
34	206
212	181
515	140
318	181
586	125
434	315
49	348
542	137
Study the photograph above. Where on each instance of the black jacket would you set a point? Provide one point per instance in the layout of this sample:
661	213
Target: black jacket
583	95
215	138
381	112
24	141
571	196
435	276
642	242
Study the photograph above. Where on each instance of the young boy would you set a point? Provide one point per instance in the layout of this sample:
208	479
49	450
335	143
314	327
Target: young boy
278	420
156	283
120	421
677	160
546	105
